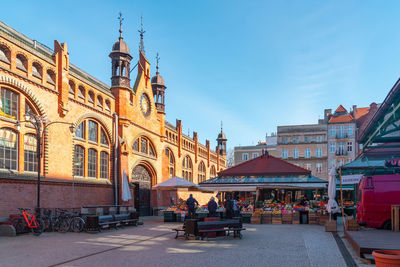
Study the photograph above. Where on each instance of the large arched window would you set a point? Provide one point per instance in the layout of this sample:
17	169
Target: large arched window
4	54
187	168
213	172
143	145
201	172
92	139
171	162
8	149
79	161
30	153
9	104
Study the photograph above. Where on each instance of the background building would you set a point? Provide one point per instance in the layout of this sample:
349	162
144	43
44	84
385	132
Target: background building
118	129
244	153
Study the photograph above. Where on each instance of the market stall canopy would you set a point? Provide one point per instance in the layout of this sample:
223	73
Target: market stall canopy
174	183
265	165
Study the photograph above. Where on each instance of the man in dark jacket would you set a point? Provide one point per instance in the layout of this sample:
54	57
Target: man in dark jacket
190	202
212	207
229	207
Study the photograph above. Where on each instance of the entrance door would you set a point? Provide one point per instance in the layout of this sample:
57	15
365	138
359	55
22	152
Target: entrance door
142	180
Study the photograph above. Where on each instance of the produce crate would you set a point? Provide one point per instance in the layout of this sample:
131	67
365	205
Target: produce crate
266	218
352	225
287	218
255	220
169	216
276	218
296	218
331	226
323	219
313	218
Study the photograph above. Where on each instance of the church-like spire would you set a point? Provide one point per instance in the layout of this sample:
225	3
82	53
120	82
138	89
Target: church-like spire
142	32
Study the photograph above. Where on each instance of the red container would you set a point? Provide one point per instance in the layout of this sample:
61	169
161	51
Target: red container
387	258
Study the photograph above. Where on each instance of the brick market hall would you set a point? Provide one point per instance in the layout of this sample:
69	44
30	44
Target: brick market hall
93	133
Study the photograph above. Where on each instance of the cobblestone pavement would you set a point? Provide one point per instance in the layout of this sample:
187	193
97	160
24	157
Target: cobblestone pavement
153	244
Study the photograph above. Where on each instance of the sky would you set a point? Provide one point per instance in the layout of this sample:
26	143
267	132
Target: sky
253	65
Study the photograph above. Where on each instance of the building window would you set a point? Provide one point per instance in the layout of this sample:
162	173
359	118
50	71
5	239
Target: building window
308	166
79	161
245	156
71	88
171	160
350	130
92	163
104	165
100	102
318	166
51	77
213	172
30	155
332	147
144	146
80	130
349	146
36	70
254	155
4	54
92	132
307	153
9	104
20	62
332	131
307	139
187	168
108	105
318	152
81	92
318	139
284	153
103	138
8	149
295	153
332	163
284	140
341	150
202	172
91	97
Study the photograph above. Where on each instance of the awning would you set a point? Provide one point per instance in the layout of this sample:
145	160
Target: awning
219	188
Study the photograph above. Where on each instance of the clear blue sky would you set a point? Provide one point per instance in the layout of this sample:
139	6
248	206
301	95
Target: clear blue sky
252	64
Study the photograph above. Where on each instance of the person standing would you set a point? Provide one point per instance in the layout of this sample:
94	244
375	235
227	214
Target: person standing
212	208
235	208
229	207
191	202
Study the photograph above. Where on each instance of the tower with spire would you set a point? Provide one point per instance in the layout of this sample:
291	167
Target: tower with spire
221	142
120	61
158	86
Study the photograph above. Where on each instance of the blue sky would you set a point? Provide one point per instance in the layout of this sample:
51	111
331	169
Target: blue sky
252	64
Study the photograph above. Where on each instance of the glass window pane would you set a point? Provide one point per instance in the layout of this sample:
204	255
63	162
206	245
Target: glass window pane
92	163
9	104
92	131
103	138
8	149
80	130
79	161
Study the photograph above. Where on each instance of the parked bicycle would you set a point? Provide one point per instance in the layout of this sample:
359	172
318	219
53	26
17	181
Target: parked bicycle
63	221
26	221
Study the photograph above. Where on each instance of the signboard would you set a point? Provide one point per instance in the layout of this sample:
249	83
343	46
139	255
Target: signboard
392	163
351	179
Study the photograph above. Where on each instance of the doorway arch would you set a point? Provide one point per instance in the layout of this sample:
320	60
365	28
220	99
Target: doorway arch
143	177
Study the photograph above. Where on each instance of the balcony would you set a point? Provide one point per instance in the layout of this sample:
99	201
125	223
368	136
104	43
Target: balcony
341	153
341	135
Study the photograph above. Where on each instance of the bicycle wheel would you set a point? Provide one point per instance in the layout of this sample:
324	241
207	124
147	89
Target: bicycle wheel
77	224
39	229
64	225
19	225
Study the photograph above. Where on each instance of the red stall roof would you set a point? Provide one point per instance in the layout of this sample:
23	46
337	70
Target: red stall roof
263	166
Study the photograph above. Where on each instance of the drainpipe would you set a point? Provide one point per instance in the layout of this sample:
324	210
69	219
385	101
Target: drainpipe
116	140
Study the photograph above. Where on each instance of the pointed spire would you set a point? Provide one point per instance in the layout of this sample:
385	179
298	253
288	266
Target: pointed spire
157	59
141	45
221	126
120	18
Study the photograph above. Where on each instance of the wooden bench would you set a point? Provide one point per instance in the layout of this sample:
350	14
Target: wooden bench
228	226
180	230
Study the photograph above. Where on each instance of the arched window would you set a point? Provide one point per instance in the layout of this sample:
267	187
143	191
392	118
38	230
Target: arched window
79	161
104	165
71	88
93	139
202	172
187	169
8	149
4	54
108	105
92	163
9	104
213	172
51	77
81	92
21	62
143	145
171	160
91	97
30	153
37	70
100	102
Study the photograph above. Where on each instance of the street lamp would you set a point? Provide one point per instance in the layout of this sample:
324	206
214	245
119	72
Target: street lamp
40	125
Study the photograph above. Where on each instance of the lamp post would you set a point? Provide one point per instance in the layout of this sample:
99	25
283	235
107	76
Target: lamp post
40	126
